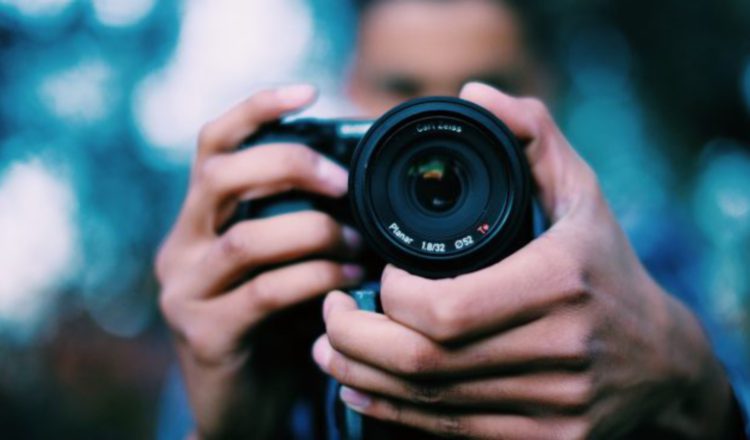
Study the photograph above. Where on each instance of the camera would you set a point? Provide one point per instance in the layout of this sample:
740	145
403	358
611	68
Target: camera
438	186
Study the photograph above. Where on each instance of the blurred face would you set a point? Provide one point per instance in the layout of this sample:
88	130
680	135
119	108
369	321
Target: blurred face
411	48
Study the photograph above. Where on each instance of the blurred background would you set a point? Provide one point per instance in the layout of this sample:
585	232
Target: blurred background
101	100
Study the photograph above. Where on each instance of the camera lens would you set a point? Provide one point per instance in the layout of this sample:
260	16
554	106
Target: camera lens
439	187
436	182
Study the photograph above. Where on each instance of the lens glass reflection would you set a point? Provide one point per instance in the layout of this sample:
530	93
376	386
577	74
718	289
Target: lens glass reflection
435	182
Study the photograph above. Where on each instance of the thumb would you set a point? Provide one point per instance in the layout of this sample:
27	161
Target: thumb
563	178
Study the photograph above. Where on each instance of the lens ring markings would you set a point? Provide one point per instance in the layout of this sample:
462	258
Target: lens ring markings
489	214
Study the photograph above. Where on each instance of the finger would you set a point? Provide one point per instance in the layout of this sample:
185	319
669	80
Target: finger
255	243
451	424
519	117
522	287
532	392
225	134
278	289
230	129
554	343
262	171
564	179
545	273
213	329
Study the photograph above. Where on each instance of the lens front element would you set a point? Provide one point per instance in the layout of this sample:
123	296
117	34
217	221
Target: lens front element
435	183
439	187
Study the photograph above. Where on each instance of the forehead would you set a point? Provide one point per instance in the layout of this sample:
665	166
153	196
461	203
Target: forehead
440	36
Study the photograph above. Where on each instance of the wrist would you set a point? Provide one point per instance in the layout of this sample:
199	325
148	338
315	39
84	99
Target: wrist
702	404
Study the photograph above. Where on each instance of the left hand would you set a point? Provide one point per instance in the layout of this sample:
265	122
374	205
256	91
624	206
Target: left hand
567	338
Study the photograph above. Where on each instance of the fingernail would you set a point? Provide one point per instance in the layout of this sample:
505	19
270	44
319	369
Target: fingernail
321	352
334	174
351	237
475	87
352	272
296	94
354	398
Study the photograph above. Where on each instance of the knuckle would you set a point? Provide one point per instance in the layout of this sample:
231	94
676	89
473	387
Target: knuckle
538	110
569	269
209	135
324	230
577	281
427	392
300	160
208	172
576	429
576	337
174	254
578	394
446	320
203	347
421	359
170	305
234	245
396	413
452	426
262	294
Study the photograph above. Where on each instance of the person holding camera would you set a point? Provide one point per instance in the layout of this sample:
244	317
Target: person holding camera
568	337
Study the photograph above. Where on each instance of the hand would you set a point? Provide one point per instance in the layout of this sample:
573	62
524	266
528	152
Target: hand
567	338
210	310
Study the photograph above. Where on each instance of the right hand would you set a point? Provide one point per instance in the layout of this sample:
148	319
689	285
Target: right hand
210	311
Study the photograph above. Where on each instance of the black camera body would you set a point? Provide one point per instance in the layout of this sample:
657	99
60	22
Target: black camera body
437	186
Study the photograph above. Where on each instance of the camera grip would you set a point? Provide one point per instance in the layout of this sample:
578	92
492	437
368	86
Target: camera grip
367	300
344	423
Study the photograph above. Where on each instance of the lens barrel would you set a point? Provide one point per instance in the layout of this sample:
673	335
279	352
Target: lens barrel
439	187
